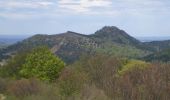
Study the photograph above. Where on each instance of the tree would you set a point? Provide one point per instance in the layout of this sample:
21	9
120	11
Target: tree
42	64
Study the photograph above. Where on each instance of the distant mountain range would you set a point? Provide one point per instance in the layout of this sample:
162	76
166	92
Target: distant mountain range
70	46
11	39
152	38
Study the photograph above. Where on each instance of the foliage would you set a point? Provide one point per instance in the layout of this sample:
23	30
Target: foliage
139	80
70	46
71	82
163	56
14	65
133	65
120	50
101	70
95	78
149	84
30	89
23	88
41	63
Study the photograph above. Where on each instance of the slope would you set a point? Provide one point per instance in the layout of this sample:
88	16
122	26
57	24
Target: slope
71	45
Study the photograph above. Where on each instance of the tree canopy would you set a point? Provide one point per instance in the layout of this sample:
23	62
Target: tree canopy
42	64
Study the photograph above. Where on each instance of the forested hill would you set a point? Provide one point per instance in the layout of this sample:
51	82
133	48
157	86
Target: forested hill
71	45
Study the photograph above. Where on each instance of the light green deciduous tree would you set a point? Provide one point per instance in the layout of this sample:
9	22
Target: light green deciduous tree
42	64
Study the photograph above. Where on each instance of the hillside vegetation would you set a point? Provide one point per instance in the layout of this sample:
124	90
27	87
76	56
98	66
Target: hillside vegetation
70	46
106	65
161	56
98	77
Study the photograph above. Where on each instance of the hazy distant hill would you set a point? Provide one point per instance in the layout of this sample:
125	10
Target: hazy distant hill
3	45
152	38
158	45
11	39
71	45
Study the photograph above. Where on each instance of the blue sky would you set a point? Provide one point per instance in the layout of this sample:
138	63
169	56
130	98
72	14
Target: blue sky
137	17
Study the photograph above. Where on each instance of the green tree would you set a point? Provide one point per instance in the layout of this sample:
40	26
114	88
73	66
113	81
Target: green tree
42	64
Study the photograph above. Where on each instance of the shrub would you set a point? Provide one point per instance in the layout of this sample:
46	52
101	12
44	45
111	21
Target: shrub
23	87
102	70
71	82
123	79
149	84
133	65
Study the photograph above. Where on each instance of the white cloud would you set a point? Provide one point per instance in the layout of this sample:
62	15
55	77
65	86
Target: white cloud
22	9
83	5
115	7
24	4
88	7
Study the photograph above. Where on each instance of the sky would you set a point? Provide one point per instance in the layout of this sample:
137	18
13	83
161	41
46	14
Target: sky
136	17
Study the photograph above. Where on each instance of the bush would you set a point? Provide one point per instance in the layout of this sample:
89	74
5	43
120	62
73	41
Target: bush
149	84
102	70
123	79
133	65
23	87
71	82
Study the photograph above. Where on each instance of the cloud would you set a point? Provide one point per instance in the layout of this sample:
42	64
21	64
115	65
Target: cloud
24	9
25	4
83	5
48	8
13	5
